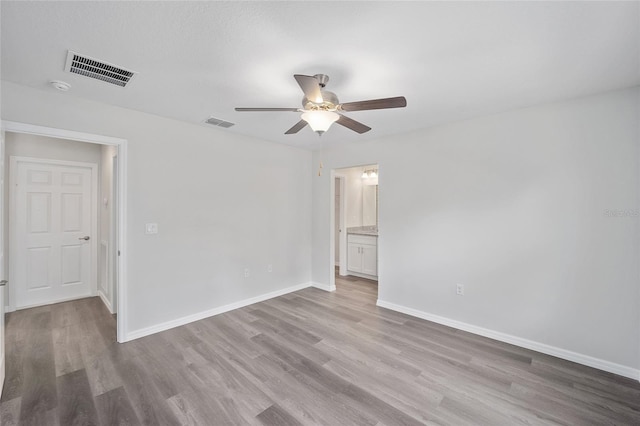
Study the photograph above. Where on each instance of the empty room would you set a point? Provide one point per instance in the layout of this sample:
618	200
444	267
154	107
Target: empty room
319	213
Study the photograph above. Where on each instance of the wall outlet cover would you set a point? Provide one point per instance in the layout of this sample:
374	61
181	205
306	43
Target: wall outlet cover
151	228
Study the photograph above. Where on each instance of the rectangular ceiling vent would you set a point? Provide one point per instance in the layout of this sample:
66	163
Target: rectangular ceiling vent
217	122
100	70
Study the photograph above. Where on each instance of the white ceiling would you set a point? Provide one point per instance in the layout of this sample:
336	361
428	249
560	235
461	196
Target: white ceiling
451	60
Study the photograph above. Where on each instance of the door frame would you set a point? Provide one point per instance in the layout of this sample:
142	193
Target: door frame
337	173
114	226
13	238
121	144
342	268
3	289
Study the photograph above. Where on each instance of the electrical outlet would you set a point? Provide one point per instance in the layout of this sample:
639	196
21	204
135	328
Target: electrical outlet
460	289
150	228
247	272
269	268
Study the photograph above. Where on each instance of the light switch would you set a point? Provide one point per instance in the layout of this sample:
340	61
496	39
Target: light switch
151	228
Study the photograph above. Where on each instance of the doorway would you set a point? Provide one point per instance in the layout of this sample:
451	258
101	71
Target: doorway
354	225
115	202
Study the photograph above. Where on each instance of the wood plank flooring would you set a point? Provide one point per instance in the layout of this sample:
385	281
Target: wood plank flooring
309	357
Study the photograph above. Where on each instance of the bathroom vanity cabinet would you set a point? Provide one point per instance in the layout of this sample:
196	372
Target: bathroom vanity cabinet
362	255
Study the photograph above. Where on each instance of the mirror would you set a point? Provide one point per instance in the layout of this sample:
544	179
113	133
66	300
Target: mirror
370	205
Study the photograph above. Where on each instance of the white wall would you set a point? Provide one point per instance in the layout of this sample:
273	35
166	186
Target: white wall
336	228
22	145
513	207
353	195
222	202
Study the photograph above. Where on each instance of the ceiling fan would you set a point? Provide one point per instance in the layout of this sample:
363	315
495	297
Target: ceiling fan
321	108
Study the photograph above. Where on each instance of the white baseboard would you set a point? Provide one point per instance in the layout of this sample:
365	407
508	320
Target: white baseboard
359	275
52	302
136	334
8	309
106	301
587	360
325	287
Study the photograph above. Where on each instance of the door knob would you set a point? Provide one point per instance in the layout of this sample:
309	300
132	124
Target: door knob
87	238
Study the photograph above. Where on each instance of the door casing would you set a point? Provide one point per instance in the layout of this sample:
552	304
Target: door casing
121	144
2	269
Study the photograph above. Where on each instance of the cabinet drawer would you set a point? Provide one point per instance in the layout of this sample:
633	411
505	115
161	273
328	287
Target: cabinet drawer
362	239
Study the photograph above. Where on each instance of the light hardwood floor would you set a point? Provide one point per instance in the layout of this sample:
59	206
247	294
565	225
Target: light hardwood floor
309	357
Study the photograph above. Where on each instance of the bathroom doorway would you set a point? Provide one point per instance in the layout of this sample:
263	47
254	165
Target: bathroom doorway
355	224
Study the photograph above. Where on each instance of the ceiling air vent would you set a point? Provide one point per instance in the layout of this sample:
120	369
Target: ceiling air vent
100	70
217	122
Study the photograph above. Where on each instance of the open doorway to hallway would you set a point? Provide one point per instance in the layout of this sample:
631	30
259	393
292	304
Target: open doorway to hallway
64	197
61	233
355	230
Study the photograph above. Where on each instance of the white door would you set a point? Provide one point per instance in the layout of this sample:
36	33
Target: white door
2	272
52	247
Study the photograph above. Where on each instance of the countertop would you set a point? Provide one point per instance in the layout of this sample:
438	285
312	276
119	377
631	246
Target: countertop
363	230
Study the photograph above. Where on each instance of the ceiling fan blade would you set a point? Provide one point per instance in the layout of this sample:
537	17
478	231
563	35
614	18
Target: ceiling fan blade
310	87
267	109
295	129
397	102
354	125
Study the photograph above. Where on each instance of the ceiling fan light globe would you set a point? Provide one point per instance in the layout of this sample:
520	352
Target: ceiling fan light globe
320	121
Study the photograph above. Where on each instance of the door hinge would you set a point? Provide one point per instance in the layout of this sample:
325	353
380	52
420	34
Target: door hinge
118	252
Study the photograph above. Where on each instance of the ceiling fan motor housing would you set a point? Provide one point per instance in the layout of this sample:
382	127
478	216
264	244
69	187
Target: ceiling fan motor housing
329	102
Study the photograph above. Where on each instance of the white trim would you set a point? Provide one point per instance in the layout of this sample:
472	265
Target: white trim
332	230
105	300
343	224
325	287
14	161
52	132
105	262
136	334
360	275
122	283
113	235
587	360
54	301
3	290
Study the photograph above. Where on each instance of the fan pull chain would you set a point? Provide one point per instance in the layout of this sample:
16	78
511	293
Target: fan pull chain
320	166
